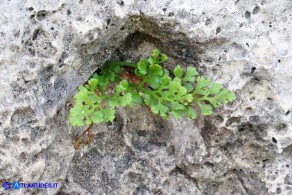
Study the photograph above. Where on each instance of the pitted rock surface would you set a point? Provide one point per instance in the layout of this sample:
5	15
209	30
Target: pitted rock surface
48	48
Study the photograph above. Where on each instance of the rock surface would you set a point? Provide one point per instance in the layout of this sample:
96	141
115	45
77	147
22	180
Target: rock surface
50	47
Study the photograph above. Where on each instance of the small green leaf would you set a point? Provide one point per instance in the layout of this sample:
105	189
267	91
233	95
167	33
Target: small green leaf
149	100
174	85
97	117
202	83
154	82
76	116
136	99
165	72
230	96
143	66
178	71
112	102
163	58
151	60
109	114
155	53
205	109
120	88
177	106
81	95
116	69
191	113
188	86
123	85
189	97
177	114
190	75
215	88
182	91
76	121
223	96
92	83
165	81
93	97
95	76
155	70
160	109
125	100
102	81
111	77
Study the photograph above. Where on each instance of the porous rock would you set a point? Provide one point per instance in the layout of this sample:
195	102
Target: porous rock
48	48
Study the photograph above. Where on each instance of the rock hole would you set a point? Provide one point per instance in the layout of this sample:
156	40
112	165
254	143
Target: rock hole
208	130
30	9
108	21
274	140
247	14
256	10
41	14
23	156
170	14
232	120
281	126
207	22
120	3
35	34
79	18
25	140
245	126
98	71
218	30
253	69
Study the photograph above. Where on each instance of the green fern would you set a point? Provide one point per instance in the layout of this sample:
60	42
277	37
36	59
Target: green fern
96	101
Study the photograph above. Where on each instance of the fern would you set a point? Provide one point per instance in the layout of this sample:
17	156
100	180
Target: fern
124	84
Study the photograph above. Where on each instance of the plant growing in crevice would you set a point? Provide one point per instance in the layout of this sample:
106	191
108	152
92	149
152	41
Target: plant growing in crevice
124	84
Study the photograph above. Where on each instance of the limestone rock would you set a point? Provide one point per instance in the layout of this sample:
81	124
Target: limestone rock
49	47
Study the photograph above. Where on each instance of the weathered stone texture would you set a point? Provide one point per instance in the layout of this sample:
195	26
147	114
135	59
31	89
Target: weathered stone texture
49	47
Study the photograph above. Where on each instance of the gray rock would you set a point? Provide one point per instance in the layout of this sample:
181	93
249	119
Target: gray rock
48	48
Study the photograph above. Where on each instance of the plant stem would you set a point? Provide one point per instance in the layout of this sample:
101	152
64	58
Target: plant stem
120	63
76	145
86	130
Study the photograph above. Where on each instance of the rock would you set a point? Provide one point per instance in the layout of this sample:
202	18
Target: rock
49	48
